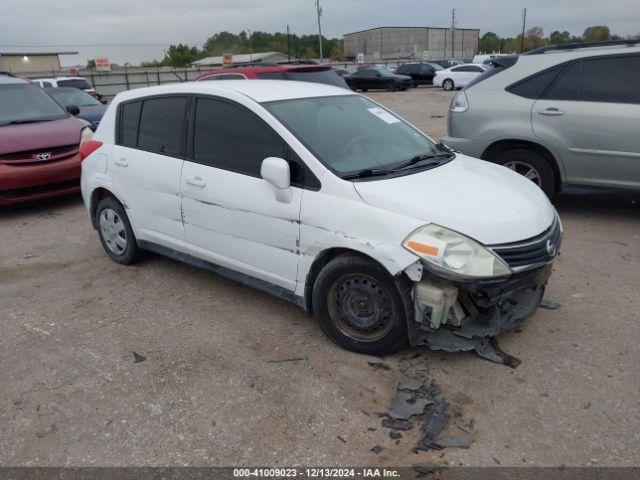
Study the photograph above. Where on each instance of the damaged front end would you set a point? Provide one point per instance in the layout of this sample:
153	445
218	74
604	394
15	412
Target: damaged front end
467	314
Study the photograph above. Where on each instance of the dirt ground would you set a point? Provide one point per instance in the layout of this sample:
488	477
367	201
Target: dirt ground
236	377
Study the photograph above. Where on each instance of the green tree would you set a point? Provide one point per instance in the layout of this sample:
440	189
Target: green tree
91	63
337	53
490	42
596	33
180	55
558	38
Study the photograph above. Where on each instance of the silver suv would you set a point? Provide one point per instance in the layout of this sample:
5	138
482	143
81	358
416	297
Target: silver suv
565	114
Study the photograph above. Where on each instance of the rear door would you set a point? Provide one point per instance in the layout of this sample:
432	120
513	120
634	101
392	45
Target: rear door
591	114
146	164
231	215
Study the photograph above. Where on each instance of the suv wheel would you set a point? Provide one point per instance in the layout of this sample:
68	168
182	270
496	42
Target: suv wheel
448	84
530	165
360	307
115	232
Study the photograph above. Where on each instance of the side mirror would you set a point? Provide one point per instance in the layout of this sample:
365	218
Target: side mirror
276	171
73	109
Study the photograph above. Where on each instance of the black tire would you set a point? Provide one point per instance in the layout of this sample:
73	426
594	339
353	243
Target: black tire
364	292
365	90
130	252
527	158
448	84
392	87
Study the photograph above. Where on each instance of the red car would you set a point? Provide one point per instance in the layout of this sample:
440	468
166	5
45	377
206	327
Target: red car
306	73
39	144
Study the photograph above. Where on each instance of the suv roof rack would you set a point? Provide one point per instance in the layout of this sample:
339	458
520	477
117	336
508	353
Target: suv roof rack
575	46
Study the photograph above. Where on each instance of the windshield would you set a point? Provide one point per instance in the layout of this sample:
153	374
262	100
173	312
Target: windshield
328	77
80	83
24	103
73	96
350	133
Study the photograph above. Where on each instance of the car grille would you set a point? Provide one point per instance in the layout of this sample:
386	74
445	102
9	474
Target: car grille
39	189
31	156
532	252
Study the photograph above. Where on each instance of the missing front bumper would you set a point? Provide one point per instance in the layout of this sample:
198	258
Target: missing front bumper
467	316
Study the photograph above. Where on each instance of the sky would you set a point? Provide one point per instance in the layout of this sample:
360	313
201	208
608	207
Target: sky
137	30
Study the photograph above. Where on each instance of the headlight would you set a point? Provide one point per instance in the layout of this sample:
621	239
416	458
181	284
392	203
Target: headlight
86	134
452	253
459	103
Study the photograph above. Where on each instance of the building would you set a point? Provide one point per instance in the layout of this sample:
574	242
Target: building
243	59
418	43
26	62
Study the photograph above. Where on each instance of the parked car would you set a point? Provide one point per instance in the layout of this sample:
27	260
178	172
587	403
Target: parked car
39	144
73	82
485	59
458	77
447	63
328	200
560	115
90	109
376	78
421	73
307	73
343	72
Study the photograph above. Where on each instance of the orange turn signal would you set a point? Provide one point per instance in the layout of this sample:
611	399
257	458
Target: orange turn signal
422	248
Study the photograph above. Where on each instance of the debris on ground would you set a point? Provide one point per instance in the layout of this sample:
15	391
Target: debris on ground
376	449
137	358
418	402
341	439
379	366
425	469
489	349
549	304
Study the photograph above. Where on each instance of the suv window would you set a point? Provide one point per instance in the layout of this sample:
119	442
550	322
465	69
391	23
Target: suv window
566	86
80	83
230	137
613	80
534	86
161	125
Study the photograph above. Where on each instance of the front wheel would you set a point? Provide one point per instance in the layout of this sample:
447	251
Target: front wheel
531	166
392	87
115	232
360	307
448	84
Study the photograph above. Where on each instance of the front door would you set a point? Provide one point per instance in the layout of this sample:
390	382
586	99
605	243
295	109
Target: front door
593	120
146	164
231	215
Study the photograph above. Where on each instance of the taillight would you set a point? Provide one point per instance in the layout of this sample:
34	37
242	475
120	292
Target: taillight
435	74
87	147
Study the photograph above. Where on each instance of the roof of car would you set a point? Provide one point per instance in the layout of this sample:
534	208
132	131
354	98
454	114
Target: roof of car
59	78
259	91
8	78
266	69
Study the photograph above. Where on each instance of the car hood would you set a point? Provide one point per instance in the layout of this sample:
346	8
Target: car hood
481	200
92	113
36	136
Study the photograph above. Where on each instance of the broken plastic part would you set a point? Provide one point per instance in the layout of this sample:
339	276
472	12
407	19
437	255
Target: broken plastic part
432	302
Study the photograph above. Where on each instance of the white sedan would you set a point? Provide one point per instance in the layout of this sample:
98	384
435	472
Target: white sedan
458	76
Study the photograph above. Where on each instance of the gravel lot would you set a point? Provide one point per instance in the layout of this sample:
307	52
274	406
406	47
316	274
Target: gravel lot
215	391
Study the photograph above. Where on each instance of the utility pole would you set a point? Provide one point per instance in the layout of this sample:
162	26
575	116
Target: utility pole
288	44
453	32
524	22
319	29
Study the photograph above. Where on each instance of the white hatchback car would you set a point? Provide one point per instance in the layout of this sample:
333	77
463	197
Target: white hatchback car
458	76
327	199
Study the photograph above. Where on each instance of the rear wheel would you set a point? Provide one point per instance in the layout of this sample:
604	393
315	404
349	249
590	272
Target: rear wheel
360	307
115	232
530	165
448	84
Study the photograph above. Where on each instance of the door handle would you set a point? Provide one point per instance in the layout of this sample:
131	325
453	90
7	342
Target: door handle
196	182
121	161
551	112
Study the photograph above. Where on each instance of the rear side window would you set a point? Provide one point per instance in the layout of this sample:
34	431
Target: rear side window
230	137
80	83
161	125
615	80
534	86
129	120
567	85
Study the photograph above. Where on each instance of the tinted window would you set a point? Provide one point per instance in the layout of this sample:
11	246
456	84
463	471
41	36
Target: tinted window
73	96
611	80
475	69
27	102
80	83
534	86
161	125
458	69
231	137
566	86
47	84
328	77
129	119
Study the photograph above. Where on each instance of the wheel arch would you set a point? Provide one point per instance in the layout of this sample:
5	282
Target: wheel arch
96	196
501	146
